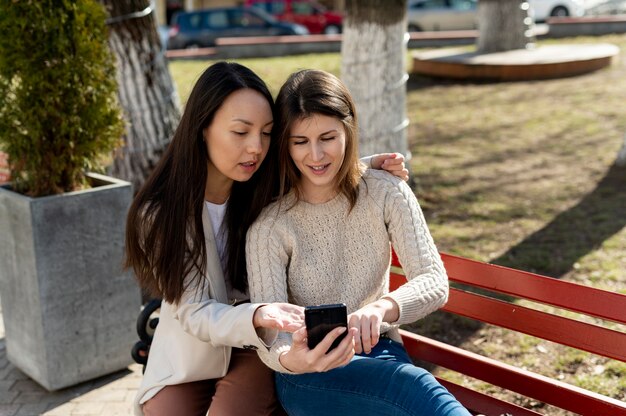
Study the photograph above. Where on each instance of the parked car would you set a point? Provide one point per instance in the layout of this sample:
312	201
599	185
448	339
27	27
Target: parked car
604	7
309	13
200	28
544	9
442	15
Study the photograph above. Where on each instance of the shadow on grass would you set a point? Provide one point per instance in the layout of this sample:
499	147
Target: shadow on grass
551	251
417	82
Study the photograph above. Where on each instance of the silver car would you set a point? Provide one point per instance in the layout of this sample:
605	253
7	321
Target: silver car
442	15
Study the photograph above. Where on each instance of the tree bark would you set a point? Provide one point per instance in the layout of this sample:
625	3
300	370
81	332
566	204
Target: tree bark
373	67
146	90
504	25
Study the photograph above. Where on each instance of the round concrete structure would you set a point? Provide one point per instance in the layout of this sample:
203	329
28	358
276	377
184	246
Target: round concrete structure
550	61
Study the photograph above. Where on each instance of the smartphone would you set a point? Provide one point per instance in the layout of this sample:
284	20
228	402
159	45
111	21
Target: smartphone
322	319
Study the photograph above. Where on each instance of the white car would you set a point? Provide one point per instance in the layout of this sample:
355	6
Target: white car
544	9
441	15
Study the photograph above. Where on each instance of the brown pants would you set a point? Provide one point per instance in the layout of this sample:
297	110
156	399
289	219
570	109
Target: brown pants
247	389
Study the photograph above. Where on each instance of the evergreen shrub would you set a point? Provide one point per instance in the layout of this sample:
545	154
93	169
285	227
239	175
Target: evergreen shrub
59	115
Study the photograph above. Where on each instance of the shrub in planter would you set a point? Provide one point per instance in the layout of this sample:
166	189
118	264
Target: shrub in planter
68	307
58	110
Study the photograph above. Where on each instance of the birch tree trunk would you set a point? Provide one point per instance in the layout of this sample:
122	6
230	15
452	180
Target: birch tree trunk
504	25
373	67
146	90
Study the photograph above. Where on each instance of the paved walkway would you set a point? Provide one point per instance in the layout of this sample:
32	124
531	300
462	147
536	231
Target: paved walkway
107	396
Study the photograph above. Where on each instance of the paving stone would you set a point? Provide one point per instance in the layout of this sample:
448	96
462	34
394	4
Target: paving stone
5	385
31	409
60	410
6	372
117	409
103	395
7	397
9	409
130	396
16	374
29	398
90	408
27	386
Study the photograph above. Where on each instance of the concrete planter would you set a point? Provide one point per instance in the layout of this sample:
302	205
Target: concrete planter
69	310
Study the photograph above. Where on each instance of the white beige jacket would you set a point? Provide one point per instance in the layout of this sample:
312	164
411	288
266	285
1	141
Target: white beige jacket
193	339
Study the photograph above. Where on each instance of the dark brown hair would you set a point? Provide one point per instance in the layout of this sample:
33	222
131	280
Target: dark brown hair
165	244
305	94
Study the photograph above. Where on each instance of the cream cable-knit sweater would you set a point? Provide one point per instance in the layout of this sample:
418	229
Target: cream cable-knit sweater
316	254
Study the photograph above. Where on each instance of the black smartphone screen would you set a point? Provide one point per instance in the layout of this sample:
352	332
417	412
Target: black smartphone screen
322	319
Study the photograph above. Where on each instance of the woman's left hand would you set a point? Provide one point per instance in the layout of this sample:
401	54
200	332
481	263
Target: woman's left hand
367	321
392	163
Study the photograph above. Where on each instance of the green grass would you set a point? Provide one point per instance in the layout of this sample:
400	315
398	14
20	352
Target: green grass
274	71
520	174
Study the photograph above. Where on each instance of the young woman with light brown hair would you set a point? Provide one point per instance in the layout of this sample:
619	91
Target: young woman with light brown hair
328	240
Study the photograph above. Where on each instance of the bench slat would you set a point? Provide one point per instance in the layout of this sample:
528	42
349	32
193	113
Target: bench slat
482	403
530	384
567	295
576	334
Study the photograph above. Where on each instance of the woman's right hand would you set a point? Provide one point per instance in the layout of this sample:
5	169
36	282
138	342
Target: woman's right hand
300	359
280	316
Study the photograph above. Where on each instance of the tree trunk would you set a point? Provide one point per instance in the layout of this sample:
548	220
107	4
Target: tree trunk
146	90
504	25
373	66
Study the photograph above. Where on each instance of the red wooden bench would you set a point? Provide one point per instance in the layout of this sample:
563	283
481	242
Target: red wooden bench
546	325
507	314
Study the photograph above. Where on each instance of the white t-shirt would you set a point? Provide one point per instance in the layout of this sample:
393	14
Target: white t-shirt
216	215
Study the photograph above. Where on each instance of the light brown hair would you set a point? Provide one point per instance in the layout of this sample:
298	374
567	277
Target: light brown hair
305	94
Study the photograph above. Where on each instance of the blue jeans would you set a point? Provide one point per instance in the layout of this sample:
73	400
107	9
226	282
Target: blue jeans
384	382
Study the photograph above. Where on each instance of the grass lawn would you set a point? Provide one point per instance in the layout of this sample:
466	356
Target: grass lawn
519	174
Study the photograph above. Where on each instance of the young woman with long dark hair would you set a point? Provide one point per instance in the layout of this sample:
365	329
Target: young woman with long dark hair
185	241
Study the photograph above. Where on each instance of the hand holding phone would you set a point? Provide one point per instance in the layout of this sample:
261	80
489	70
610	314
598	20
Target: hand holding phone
322	319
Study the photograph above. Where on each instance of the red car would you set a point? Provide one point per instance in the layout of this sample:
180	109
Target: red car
308	13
